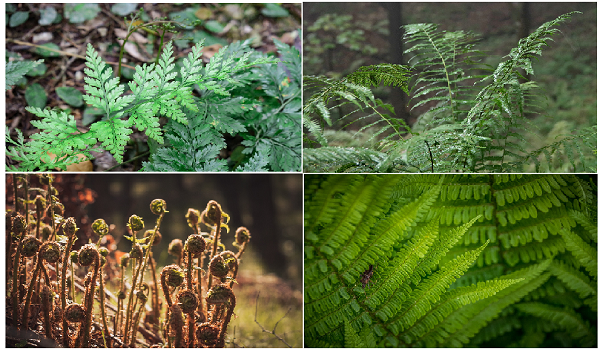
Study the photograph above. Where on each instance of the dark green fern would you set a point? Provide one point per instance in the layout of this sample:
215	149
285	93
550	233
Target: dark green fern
476	119
261	105
458	259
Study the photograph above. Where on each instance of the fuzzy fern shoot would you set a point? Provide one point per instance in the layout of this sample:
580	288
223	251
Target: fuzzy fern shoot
462	260
476	121
166	90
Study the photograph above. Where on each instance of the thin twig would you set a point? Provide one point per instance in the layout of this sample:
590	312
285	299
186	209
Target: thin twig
272	332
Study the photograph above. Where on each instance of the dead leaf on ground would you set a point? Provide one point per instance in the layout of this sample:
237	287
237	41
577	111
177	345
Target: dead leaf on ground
209	51
203	13
85	166
135	37
132	50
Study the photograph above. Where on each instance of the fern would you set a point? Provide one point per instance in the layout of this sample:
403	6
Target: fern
229	104
196	127
15	70
355	89
475	122
454	256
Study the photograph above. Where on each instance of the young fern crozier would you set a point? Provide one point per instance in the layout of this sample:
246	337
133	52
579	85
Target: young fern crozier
208	309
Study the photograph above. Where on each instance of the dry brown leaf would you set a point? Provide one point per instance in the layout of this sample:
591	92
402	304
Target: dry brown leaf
85	166
203	13
289	37
209	51
132	50
135	37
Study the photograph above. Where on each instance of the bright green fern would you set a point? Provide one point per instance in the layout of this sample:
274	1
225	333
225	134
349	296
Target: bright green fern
458	261
248	97
229	103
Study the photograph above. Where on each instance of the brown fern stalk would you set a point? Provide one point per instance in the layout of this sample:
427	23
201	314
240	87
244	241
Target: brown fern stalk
47	309
176	325
69	228
19	228
40	206
170	276
222	294
49	251
212	215
188	302
195	246
88	256
135	224
155	301
142	298
121	294
158	207
107	340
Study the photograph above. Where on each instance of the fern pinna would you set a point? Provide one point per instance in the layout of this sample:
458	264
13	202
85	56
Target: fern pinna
476	121
458	260
194	134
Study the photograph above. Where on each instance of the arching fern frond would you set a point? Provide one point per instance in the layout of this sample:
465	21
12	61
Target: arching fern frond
329	94
387	74
586	255
564	318
578	282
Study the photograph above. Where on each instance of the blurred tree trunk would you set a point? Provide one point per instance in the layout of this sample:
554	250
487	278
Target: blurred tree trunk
265	231
525	22
253	195
398	98
524	25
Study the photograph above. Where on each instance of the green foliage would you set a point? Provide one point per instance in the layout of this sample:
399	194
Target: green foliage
70	95
459	260
268	118
15	70
242	93
355	90
332	36
79	13
18	18
36	96
475	122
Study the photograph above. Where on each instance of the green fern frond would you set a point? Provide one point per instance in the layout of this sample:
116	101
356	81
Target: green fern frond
586	255
113	134
387	74
354	89
327	159
577	281
418	295
103	92
366	338
463	324
564	318
15	70
468	126
431	289
60	137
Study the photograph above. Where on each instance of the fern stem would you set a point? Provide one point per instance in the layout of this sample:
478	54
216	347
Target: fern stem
445	71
